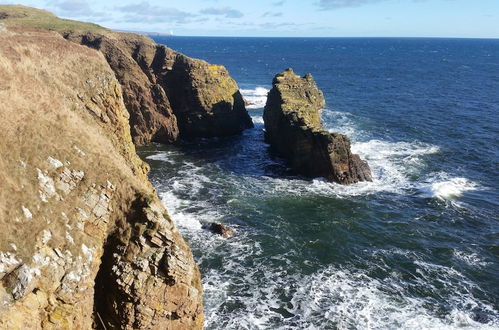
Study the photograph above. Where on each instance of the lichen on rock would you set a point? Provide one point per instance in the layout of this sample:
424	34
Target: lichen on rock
293	127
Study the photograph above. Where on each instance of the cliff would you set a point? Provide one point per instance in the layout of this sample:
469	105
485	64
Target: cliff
293	127
85	241
168	95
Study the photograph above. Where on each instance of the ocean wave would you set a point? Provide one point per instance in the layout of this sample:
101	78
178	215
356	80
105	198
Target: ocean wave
163	156
342	298
470	258
257	119
442	187
256	97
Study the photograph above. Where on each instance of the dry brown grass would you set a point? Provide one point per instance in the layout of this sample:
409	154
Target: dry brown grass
25	17
44	93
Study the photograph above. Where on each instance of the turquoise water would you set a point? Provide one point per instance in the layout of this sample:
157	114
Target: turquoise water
416	248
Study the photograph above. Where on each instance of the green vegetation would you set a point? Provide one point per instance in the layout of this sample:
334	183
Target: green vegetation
17	16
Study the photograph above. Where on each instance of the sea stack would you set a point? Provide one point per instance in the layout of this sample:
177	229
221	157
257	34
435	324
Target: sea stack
294	130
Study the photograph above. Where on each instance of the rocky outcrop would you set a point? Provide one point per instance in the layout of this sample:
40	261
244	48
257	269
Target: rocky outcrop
293	127
169	94
205	99
85	241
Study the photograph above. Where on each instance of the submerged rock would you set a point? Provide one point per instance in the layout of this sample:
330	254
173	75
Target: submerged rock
293	128
220	229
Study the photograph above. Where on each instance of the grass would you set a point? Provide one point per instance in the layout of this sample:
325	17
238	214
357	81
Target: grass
43	116
18	16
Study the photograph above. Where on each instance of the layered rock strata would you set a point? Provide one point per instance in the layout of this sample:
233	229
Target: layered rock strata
85	241
293	128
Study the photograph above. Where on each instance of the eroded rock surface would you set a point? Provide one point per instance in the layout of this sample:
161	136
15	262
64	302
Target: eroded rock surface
169	94
293	127
85	239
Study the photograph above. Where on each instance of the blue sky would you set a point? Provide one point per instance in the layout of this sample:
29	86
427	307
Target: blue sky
314	18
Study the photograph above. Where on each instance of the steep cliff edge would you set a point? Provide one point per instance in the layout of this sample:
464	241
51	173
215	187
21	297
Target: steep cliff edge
166	93
293	127
169	94
85	240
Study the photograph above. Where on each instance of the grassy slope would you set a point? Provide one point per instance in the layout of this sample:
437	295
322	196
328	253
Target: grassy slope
18	16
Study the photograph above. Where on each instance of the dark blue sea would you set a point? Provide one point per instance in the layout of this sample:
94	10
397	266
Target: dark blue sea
418	248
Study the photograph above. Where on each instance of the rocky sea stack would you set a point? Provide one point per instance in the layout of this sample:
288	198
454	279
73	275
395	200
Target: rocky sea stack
293	127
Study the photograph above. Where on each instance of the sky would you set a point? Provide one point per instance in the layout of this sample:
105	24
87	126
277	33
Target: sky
287	18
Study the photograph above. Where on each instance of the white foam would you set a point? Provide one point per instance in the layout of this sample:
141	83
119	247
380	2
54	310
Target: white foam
447	188
470	258
162	156
256	97
338	298
174	206
257	119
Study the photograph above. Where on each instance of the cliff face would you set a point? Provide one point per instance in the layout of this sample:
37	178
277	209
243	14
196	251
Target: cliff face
293	128
85	240
167	93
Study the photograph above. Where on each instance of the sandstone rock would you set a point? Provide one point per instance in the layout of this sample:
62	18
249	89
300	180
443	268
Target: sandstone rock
293	127
205	99
220	229
151	116
84	236
167	93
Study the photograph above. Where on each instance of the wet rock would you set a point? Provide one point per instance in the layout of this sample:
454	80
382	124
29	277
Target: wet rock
220	229
293	127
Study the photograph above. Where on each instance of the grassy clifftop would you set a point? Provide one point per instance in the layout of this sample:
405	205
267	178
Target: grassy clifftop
18	16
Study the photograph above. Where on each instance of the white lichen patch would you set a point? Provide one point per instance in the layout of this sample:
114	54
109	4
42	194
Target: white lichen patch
47	187
46	236
23	278
79	151
54	163
27	213
88	252
8	261
69	238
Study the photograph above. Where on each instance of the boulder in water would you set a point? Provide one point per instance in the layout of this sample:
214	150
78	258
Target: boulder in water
293	127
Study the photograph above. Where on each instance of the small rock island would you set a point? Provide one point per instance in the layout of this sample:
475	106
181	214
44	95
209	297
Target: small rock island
294	130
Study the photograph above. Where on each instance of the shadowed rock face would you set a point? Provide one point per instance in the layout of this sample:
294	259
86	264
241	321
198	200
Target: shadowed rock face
168	94
205	99
293	127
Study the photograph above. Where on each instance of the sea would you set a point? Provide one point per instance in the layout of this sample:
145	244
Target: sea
417	248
